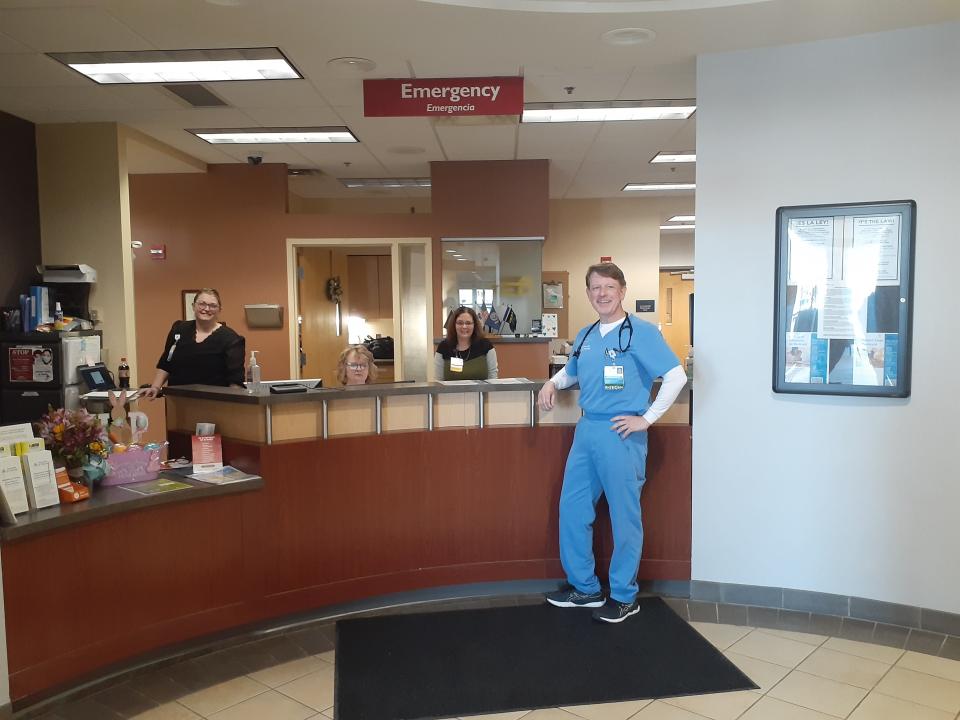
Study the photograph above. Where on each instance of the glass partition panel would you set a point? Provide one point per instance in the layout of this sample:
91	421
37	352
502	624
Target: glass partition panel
497	277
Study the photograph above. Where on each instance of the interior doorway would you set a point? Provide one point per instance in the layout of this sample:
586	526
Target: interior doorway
344	291
676	289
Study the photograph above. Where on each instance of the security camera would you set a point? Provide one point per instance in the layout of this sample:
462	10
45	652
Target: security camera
254	159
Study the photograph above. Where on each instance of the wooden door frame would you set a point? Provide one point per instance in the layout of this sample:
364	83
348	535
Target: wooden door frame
293	244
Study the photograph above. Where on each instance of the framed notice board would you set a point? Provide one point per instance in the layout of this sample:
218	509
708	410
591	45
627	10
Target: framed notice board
844	299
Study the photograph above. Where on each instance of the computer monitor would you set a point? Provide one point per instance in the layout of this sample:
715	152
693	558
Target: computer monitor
96	377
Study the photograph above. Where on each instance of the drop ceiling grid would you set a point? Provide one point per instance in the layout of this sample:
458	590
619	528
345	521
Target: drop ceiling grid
472	142
69	29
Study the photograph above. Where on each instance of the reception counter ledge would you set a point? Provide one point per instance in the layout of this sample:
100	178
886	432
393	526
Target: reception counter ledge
360	498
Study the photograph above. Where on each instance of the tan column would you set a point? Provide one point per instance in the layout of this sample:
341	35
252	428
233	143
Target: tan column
85	218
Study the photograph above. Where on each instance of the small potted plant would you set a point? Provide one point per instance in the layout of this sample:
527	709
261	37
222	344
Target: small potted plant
74	437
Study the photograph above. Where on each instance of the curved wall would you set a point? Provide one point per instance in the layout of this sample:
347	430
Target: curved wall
838	495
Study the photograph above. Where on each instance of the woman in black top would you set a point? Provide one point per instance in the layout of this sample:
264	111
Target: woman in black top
203	351
464	354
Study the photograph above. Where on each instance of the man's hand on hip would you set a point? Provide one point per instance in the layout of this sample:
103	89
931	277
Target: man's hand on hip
624	425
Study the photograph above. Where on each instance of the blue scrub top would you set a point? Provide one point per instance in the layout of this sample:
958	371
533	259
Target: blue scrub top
647	358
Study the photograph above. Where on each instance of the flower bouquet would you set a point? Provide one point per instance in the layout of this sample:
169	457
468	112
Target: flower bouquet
74	437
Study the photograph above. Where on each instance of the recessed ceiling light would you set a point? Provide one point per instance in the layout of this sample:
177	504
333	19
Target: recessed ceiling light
675	156
628	36
610	111
677	227
248	136
171	66
682	218
631	187
385	182
358	64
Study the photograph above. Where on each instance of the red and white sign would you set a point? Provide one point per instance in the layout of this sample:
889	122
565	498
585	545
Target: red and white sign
402	97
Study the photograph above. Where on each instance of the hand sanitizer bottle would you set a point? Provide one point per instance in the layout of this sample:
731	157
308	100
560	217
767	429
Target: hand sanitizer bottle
253	374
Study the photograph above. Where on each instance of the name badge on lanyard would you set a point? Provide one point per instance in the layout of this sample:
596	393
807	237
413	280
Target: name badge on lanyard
456	364
613	377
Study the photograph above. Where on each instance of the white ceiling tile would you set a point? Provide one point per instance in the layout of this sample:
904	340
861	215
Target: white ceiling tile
275	94
478	142
556	140
403	167
83	97
589	85
384	136
320	116
333	155
69	29
34	70
9	45
562	174
674	81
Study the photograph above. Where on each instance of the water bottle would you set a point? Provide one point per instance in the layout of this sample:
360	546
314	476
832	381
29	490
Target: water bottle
123	374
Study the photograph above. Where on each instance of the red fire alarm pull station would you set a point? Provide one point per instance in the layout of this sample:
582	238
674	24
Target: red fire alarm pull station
158	252
606	258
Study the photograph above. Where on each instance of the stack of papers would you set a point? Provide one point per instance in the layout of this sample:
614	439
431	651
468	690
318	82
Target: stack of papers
227	474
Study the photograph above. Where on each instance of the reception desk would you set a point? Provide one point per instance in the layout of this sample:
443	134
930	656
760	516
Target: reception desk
366	491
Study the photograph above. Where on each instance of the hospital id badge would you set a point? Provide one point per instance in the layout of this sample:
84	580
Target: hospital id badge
456	364
613	377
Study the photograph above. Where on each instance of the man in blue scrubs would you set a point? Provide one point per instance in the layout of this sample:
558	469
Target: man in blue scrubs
615	362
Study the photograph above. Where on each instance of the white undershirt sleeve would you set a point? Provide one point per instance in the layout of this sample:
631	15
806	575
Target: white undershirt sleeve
673	382
563	379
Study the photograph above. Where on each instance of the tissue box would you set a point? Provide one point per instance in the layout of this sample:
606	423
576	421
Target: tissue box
132	466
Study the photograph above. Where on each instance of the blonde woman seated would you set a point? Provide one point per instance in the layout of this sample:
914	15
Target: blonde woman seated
355	366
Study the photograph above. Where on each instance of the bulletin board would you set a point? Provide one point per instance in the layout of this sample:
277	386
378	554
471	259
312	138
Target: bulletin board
844	299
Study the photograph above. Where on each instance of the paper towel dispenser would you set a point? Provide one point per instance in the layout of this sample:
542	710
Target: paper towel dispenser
67	273
264	316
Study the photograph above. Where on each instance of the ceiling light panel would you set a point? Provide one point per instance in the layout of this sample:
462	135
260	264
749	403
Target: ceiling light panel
390	183
615	111
171	66
677	227
650	187
681	156
682	218
256	136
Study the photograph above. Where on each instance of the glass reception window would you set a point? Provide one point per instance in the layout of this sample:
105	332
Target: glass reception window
500	278
844	299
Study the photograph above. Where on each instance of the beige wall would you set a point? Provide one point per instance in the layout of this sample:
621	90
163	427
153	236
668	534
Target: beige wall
628	230
85	218
356	206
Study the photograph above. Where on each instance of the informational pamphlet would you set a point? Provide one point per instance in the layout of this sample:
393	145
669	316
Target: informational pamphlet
207	453
40	479
224	475
156	487
11	485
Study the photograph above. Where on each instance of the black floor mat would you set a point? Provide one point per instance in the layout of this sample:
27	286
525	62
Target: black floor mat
469	662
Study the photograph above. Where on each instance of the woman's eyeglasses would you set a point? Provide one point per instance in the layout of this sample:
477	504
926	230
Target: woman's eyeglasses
207	306
357	366
468	323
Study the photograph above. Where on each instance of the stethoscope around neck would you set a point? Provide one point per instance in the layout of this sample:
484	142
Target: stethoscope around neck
626	324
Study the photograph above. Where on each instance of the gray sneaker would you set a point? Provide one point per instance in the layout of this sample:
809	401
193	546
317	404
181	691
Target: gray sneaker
615	611
571	597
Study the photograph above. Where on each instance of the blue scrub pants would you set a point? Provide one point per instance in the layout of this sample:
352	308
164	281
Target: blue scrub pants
601	462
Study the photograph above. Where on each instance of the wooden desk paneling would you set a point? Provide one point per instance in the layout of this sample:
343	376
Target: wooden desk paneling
337	520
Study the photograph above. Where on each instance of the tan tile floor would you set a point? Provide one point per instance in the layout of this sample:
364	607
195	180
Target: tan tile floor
801	677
